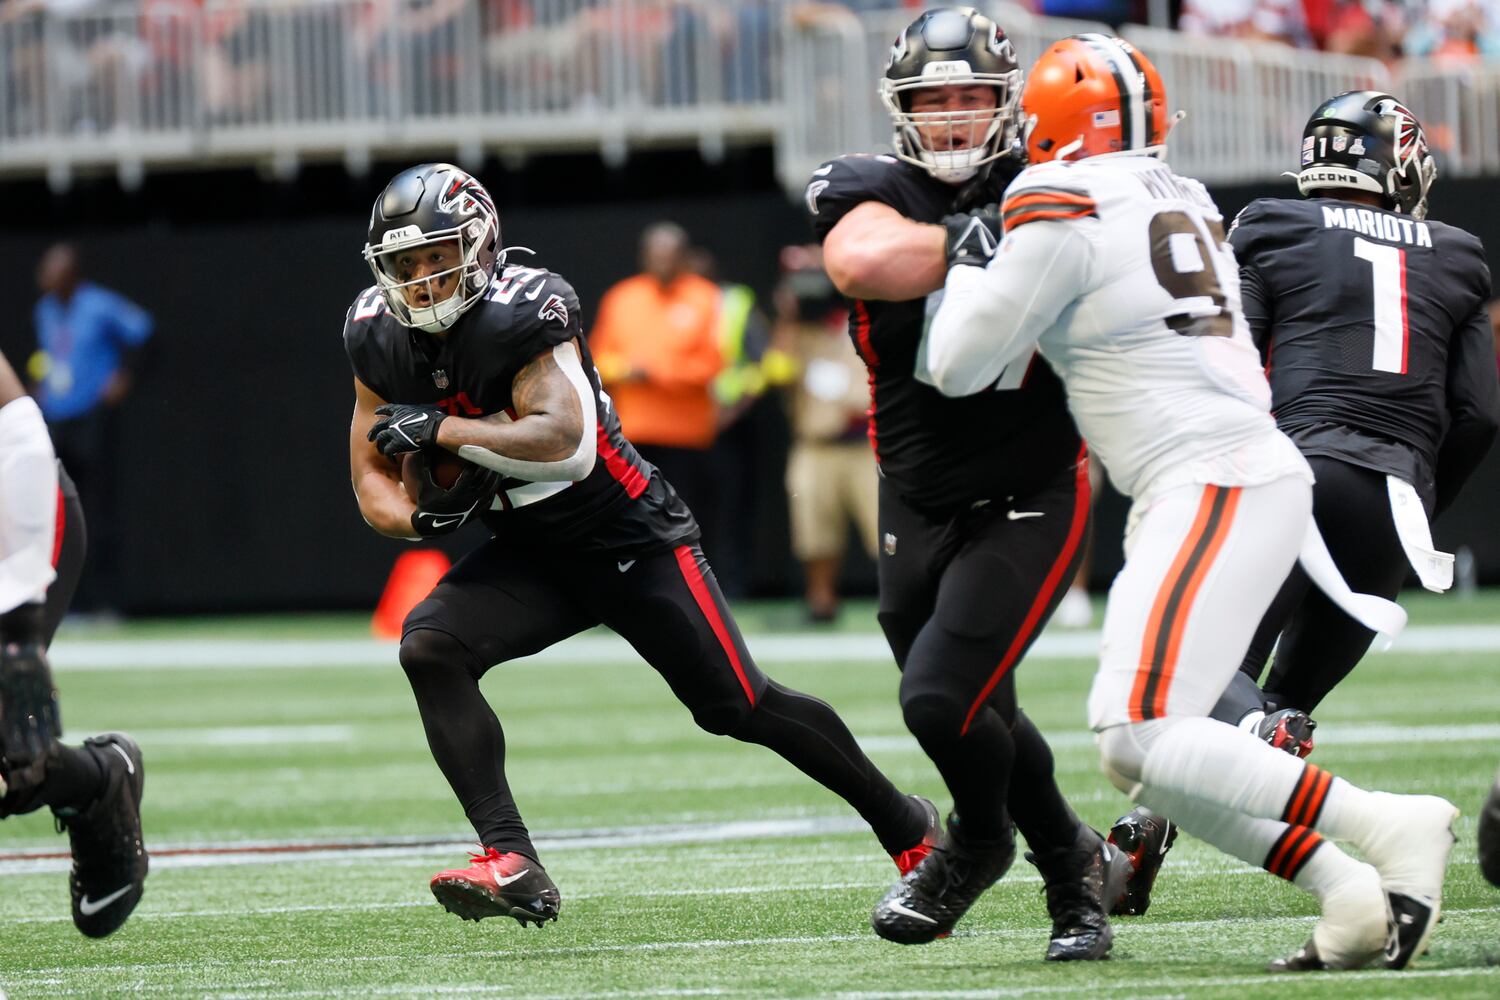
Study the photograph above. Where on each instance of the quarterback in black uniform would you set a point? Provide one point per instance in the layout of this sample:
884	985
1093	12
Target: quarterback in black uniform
450	355
1372	322
984	500
94	790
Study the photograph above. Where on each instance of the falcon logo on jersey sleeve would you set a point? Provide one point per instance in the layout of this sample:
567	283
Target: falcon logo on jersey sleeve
555	308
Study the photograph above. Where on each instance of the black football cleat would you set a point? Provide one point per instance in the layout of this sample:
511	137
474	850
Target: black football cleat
498	885
1289	730
109	857
1412	922
931	837
1144	838
1304	959
933	896
1081	880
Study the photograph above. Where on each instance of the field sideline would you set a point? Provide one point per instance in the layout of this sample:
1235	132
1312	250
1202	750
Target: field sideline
295	817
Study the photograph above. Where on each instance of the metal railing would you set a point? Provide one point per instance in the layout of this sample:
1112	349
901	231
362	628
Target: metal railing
279	81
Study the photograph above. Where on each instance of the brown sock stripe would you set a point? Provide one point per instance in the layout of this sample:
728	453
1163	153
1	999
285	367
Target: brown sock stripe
1303	854
1292	851
1301	794
1317	798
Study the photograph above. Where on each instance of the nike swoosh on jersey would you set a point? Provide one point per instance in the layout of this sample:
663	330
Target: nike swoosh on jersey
129	764
1017	515
444	522
89	907
624	566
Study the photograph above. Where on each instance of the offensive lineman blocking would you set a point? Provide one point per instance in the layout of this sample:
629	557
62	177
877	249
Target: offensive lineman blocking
979	538
1116	269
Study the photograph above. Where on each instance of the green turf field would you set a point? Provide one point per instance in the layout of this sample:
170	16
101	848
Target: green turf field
689	865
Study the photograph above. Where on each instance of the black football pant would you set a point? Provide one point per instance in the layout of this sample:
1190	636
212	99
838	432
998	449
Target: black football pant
961	600
1320	644
497	604
73	776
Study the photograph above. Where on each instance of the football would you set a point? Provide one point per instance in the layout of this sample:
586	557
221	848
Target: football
438	465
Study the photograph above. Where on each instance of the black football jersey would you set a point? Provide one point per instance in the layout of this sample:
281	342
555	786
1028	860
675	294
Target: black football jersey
1374	331
622	505
939	452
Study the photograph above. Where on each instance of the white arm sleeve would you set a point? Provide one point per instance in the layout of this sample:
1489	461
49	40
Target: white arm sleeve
571	469
28	504
990	317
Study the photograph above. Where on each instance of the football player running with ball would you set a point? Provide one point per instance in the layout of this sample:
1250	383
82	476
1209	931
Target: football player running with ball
1373	327
453	350
94	790
1118	270
984	501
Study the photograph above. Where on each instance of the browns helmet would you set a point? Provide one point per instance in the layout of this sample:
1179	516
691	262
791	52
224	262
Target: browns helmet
1092	95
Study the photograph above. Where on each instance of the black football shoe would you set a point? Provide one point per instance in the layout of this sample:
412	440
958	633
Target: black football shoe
499	885
1081	881
1288	730
1144	838
933	896
109	857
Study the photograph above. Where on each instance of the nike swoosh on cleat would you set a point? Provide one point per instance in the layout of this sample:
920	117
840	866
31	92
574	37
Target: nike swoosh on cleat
1016	515
508	879
89	907
906	912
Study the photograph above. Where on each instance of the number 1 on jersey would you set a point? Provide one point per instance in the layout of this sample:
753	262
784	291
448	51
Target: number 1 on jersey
1388	267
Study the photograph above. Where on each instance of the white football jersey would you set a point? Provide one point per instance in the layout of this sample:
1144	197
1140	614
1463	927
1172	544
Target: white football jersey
1119	271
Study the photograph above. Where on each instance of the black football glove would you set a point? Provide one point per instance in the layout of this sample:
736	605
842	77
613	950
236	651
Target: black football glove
440	511
973	236
406	427
29	719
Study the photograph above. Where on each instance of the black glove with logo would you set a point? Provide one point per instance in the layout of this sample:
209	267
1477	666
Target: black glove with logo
441	511
29	720
406	427
973	236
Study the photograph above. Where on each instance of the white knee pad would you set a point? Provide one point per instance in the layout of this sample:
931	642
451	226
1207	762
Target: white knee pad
28	504
1122	758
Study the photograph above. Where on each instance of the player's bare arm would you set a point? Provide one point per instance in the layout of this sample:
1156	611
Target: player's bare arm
552	436
876	253
377	480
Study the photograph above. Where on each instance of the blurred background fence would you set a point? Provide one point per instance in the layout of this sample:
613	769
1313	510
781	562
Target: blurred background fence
171	83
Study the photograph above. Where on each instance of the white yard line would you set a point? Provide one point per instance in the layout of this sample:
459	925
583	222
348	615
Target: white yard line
1135	928
796	647
1331	734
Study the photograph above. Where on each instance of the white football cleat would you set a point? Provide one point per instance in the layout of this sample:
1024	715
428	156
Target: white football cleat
1410	850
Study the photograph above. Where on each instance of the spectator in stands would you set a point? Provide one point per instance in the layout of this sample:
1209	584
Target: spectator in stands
1455	32
656	345
830	478
89	340
738	453
1254	20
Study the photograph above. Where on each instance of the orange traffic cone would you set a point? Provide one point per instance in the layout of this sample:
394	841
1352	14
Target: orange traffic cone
412	578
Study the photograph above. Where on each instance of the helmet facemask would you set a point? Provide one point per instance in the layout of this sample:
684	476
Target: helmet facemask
953	145
476	261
